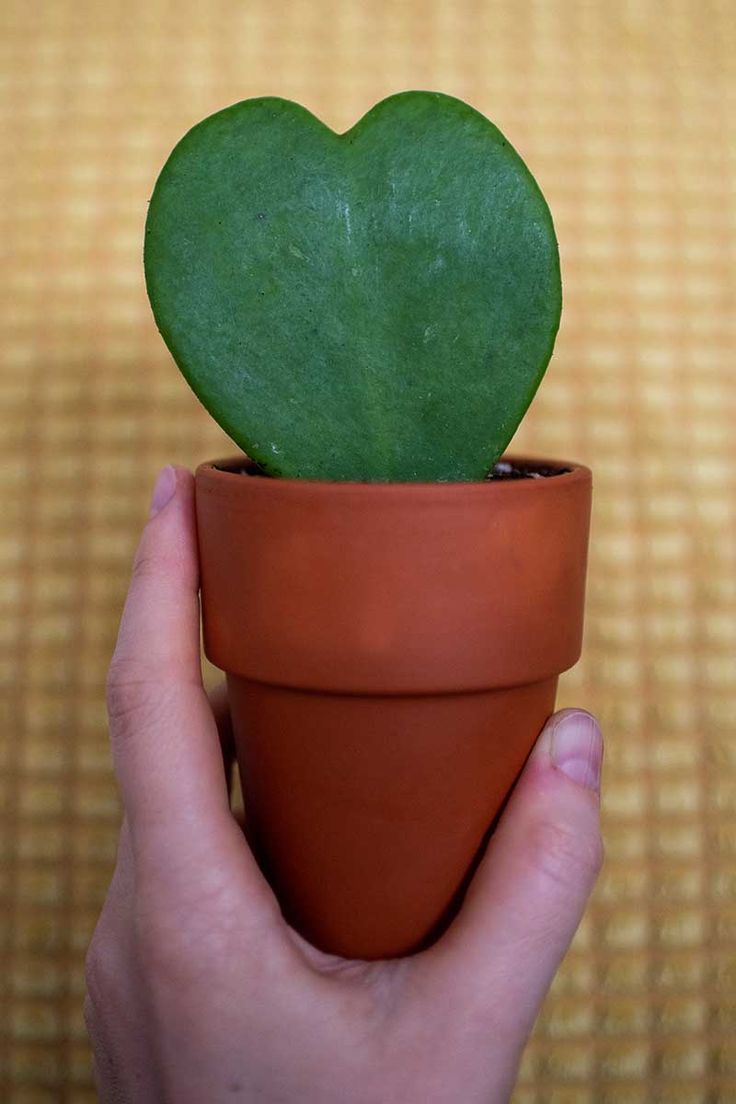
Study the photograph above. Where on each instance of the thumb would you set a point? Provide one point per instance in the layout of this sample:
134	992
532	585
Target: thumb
164	739
528	895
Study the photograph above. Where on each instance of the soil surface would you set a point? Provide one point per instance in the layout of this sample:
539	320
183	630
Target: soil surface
503	470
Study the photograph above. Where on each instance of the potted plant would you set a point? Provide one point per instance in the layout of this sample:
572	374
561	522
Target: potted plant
368	315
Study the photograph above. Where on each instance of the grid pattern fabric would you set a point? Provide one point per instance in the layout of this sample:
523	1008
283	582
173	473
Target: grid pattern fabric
625	113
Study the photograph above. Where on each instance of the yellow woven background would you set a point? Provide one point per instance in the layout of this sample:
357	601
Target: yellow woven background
625	112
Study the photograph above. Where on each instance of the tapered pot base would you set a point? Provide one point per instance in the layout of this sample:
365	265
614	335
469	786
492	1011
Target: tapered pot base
377	805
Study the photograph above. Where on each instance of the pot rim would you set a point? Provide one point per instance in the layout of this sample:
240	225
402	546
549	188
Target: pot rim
389	588
570	472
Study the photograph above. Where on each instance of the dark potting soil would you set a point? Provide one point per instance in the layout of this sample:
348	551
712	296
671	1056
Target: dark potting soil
502	471
506	470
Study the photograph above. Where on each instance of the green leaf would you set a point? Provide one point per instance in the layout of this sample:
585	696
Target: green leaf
376	305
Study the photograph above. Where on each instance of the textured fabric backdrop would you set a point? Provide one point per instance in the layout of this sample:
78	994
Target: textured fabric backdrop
625	112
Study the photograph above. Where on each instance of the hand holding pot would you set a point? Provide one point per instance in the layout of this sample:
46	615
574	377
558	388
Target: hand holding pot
198	989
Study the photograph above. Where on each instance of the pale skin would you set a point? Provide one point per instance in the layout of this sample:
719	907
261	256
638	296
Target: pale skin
199	991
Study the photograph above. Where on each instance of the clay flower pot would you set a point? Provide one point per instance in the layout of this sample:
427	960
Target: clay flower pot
392	651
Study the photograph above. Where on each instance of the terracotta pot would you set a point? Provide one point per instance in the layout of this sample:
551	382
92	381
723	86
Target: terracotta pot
392	651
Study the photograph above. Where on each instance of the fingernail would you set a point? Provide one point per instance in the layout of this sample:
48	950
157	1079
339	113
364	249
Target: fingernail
577	748
163	491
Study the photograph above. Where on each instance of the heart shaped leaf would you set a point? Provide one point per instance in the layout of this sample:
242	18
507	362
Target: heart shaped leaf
376	305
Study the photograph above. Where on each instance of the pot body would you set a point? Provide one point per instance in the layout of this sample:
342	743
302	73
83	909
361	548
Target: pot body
392	652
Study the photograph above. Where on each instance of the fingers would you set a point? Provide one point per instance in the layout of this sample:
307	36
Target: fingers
165	742
530	890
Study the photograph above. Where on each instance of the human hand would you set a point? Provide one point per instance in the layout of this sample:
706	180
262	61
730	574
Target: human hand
198	991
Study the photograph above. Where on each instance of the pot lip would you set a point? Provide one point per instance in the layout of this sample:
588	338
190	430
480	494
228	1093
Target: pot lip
215	474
